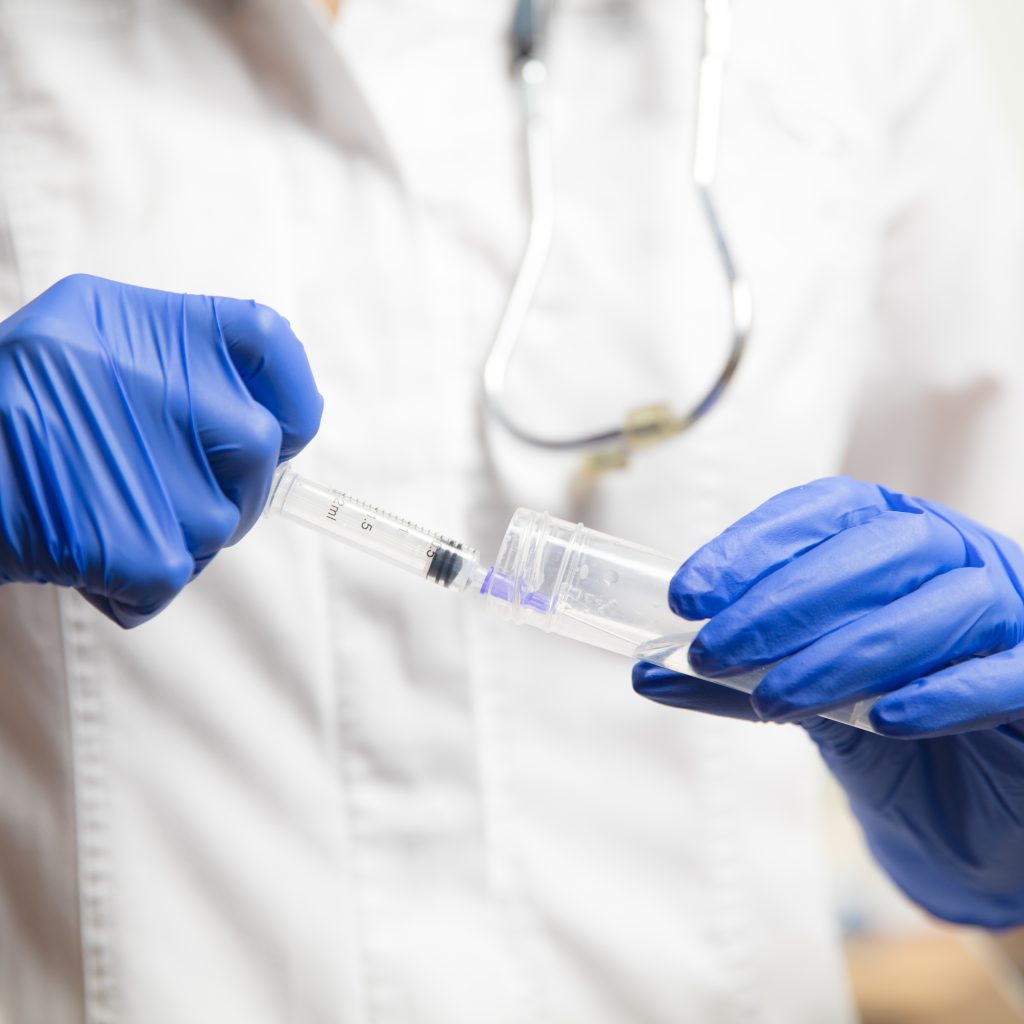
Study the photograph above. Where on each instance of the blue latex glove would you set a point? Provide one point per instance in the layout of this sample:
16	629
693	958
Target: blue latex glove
139	432
867	592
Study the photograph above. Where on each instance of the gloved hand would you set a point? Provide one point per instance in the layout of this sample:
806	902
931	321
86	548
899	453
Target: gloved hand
866	592
139	432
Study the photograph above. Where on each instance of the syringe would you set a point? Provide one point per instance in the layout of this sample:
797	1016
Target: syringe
387	537
558	576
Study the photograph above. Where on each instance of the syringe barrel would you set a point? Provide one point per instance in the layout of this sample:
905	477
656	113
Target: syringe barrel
610	593
371	529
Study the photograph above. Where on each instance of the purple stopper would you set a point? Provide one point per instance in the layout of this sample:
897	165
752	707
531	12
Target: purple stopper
503	587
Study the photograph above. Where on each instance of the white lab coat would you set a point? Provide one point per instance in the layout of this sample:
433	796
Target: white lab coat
315	790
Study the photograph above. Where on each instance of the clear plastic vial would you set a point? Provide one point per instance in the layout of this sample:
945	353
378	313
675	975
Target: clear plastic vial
567	579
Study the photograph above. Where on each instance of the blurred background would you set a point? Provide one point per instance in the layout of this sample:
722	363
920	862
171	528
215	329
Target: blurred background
1000	29
904	968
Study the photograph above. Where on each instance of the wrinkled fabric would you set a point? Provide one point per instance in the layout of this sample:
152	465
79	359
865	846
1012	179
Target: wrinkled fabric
850	591
138	434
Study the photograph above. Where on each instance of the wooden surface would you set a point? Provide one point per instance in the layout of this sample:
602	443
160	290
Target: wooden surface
925	979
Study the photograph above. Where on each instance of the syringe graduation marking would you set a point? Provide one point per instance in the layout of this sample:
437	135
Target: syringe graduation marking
341	500
445	562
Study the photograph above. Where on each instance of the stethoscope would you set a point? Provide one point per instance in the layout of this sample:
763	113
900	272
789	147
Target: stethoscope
611	448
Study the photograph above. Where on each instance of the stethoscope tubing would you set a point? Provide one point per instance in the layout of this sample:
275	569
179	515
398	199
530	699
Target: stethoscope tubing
655	423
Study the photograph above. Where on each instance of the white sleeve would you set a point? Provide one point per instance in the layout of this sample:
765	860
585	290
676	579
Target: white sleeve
943	416
10	290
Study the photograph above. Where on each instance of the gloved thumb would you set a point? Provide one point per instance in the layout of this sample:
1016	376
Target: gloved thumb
664	686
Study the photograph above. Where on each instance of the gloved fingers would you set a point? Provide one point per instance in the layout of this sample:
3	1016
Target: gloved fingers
192	511
949	618
867	766
273	365
843	578
242	448
838	739
152	474
678	691
132	553
980	693
781	529
145	427
140	576
208	522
